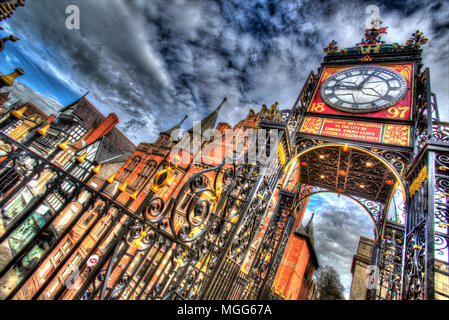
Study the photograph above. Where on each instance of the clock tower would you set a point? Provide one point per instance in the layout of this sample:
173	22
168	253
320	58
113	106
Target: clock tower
365	93
368	128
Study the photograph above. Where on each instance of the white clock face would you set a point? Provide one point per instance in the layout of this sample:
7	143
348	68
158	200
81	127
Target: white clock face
363	89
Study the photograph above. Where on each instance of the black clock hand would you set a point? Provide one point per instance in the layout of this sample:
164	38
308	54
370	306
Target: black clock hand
346	82
343	85
346	87
378	94
372	95
364	81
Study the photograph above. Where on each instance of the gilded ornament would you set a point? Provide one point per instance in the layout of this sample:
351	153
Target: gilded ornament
416	185
331	48
417	40
8	80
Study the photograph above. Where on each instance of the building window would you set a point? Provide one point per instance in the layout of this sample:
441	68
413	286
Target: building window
100	229
145	173
76	260
102	226
130	168
67	217
57	258
143	270
12	126
88	219
18	204
308	274
58	131
81	172
76	133
8	178
55	134
53	288
66	272
67	246
46	271
55	201
61	253
71	267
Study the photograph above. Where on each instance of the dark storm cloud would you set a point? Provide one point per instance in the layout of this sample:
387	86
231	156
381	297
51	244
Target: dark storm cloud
152	62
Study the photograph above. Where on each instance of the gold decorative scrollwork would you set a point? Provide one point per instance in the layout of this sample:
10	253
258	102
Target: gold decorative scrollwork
416	184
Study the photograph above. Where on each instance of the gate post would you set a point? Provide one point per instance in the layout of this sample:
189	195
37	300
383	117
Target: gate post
427	221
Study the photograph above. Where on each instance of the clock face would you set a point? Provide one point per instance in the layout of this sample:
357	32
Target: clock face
363	89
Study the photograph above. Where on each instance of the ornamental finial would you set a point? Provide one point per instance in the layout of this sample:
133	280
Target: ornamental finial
332	47
417	40
8	80
9	38
373	35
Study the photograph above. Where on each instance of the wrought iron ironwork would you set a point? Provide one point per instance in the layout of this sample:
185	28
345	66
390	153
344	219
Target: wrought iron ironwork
251	215
158	252
267	259
426	230
69	189
390	263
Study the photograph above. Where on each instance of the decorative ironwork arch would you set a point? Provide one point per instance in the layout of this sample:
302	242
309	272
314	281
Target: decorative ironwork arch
320	144
391	161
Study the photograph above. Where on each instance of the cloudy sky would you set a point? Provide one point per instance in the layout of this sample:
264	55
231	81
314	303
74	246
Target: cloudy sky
154	61
338	224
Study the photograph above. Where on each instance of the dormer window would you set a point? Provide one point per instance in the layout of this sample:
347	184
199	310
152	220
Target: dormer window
163	140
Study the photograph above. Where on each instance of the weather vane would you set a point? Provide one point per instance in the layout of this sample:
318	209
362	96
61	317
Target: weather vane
373	35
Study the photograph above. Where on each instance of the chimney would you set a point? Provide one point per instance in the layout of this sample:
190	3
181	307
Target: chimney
102	129
222	126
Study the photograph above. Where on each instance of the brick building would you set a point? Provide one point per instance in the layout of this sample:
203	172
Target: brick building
79	134
294	277
84	141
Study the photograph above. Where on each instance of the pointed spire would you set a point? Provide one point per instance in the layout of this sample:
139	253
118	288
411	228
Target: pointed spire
82	157
74	102
209	121
309	224
64	145
307	231
309	228
96	169
175	128
43	131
